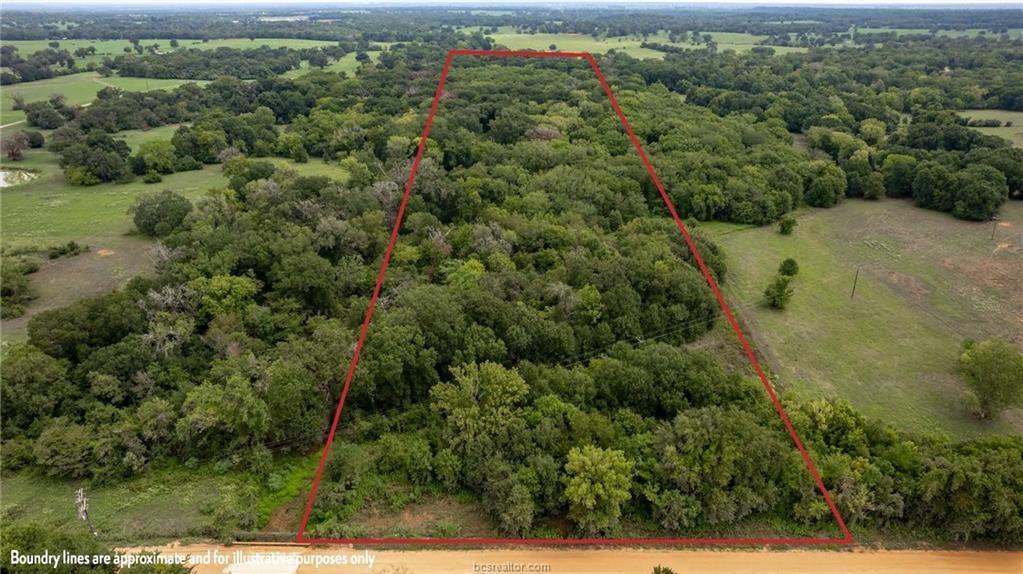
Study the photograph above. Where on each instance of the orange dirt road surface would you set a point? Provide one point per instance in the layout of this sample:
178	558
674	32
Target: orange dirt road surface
599	561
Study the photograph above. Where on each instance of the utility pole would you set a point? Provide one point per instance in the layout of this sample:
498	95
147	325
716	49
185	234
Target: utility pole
994	228
856	280
82	502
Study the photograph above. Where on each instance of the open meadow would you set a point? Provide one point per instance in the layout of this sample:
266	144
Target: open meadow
1013	133
169	503
926	283
78	89
48	211
112	48
509	37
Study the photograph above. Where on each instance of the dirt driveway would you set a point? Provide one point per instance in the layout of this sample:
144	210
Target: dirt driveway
601	561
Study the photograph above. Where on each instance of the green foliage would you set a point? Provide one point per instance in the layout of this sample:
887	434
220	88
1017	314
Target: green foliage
155	156
826	184
160	213
899	171
788	268
528	349
15	290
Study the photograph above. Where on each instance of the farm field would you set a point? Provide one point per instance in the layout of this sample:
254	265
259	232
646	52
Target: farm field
111	48
1013	133
926	283
77	89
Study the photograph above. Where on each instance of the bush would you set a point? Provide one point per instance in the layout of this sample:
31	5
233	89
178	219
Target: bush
152	177
36	139
158	214
35	539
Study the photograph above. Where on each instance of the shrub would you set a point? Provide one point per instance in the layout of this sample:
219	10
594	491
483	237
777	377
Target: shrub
407	455
994	371
152	177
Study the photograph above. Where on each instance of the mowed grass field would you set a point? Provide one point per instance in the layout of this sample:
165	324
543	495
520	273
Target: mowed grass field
78	89
347	64
508	37
1013	133
112	48
1014	33
48	211
926	283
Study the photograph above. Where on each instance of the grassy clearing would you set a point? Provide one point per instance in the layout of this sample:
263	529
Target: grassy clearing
926	282
1013	133
77	89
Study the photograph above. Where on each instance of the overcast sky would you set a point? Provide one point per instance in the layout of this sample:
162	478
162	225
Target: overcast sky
483	3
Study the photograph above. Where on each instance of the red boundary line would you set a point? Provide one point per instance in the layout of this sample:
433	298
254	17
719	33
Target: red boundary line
848	537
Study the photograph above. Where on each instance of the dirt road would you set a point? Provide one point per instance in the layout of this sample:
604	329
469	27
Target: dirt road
621	560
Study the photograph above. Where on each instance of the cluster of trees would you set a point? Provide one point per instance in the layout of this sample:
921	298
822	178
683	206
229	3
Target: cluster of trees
527	348
39	65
